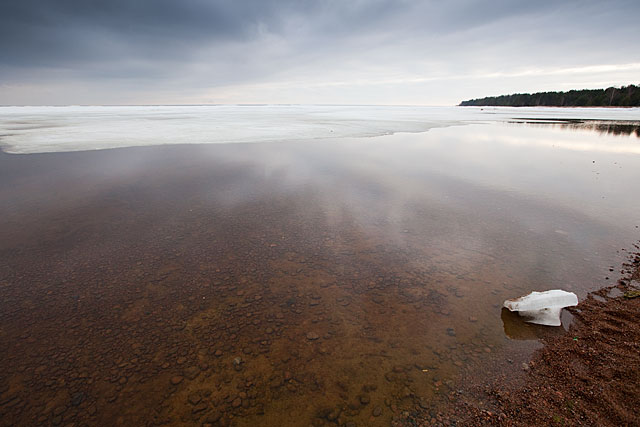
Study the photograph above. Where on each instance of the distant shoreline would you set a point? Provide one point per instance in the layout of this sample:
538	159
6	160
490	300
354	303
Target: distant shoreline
622	97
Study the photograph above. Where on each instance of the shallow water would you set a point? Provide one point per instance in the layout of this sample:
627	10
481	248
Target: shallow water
333	281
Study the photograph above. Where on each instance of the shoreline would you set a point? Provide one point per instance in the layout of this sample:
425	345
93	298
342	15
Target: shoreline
587	375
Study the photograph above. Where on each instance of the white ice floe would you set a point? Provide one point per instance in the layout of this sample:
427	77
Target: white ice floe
26	130
542	308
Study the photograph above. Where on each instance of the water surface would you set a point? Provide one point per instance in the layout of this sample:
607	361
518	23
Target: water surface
332	281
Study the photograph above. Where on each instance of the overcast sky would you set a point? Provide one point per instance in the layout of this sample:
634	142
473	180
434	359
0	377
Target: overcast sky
302	51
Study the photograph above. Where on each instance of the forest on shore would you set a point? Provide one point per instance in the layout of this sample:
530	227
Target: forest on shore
625	96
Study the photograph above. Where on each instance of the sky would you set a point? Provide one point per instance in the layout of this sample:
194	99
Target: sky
385	52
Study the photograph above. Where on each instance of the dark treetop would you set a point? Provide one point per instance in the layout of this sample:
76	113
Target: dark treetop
625	96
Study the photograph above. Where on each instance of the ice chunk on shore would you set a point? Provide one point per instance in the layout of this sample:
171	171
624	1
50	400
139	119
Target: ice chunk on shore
542	308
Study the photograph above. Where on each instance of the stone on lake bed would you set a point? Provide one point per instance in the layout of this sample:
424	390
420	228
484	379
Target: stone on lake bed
542	308
192	372
77	398
312	336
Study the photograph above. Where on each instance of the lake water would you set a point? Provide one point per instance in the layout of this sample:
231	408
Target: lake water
332	265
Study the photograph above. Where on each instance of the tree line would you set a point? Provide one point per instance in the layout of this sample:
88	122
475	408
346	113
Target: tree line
625	96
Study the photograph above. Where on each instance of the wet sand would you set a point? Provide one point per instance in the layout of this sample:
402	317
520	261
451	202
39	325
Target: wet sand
271	284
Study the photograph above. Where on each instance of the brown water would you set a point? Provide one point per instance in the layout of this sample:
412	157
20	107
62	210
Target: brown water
294	284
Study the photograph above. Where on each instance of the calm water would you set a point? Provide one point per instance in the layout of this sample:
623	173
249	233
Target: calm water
331	281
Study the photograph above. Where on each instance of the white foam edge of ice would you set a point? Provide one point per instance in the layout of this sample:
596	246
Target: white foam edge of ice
542	308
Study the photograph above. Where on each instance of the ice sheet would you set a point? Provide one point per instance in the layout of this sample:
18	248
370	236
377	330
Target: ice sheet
77	128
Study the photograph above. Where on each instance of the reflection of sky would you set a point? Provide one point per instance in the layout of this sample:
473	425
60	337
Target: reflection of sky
544	164
538	164
526	190
520	193
507	190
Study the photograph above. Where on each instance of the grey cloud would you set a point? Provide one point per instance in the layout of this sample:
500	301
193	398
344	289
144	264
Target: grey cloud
193	43
41	32
46	33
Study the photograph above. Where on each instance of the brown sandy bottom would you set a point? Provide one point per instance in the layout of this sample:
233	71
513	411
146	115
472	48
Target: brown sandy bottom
204	285
588	376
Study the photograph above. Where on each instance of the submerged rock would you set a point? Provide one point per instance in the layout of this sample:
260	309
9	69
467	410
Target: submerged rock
542	308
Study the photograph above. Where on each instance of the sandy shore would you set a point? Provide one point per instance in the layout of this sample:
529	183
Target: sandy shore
587	376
